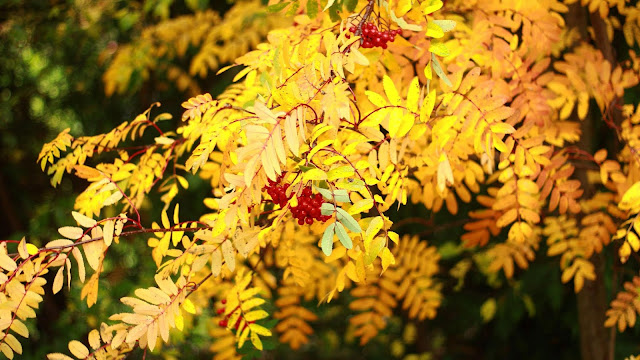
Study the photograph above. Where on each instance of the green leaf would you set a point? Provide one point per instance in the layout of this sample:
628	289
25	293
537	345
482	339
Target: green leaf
374	249
439	49
293	9
337	195
333	13
325	193
329	4
342	236
277	7
348	221
327	209
304	168
312	8
350	184
327	239
445	25
350	5
341	196
438	69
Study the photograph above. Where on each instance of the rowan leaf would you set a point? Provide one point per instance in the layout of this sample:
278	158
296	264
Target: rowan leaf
327	239
345	240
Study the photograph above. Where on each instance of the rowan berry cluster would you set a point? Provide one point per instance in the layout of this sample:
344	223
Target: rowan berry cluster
373	37
224	322
308	208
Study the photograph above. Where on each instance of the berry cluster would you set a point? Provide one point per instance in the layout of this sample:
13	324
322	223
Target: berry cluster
277	192
373	37
308	208
224	322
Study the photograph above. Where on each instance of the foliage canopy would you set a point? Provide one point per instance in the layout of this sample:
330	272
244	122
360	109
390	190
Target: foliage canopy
347	112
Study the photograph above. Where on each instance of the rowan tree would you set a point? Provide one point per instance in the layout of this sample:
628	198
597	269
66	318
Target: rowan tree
348	111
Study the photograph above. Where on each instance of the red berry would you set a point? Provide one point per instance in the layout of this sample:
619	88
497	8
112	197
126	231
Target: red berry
366	44
223	301
352	29
223	323
300	221
383	45
220	311
309	221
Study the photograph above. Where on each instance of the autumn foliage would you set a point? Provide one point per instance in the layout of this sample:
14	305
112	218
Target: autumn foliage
341	113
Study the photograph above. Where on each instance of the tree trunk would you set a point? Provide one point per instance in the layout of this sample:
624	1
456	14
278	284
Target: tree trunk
596	341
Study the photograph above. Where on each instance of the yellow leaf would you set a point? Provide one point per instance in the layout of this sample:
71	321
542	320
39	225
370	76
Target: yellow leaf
165	220
255	315
83	220
229	255
6	262
633	240
259	329
71	232
427	105
6	350
93	251
20	328
32	249
107	232
624	252
255	340
176	211
163	140
189	307
502	128
430	6
428	73
360	206
412	95
315	174
488	309
400	126
391	91
631	198
22	249
13	343
58	356
340	172
387	258
58	281
507	218
78	349
179	321
243	334
376	99
434	31
600	155
499	114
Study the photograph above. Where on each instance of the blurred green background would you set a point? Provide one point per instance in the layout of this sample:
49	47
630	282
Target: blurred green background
53	58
